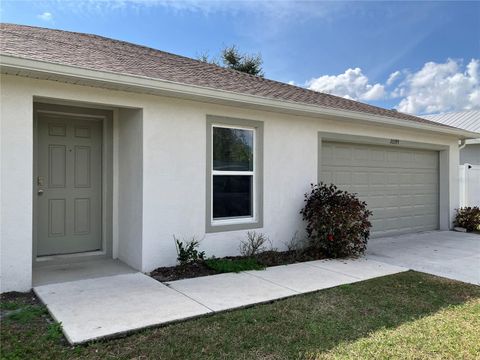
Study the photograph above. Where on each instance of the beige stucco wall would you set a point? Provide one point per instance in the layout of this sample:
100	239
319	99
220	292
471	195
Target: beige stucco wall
174	156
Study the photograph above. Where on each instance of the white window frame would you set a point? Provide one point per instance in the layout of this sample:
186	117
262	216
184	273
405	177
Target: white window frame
253	174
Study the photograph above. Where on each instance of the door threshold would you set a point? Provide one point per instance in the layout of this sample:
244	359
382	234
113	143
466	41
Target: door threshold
69	258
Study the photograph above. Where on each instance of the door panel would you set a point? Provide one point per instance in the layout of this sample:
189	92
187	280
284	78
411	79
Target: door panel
69	185
399	185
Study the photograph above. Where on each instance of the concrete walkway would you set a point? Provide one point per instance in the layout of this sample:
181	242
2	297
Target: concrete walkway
450	254
106	306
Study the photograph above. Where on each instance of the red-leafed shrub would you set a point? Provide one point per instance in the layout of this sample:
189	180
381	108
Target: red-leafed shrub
468	218
337	221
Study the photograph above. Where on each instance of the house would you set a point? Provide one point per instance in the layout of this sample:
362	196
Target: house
110	148
466	120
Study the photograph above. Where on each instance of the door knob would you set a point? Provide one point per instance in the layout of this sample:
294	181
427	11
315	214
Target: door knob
40	191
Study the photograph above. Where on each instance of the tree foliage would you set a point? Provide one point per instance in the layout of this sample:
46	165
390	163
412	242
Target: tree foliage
232	58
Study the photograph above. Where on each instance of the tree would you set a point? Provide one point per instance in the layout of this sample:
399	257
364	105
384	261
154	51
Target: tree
231	58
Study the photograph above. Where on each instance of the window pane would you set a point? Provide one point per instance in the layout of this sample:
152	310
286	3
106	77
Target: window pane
232	196
232	149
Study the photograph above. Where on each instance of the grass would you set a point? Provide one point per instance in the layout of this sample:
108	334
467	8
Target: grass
233	265
408	315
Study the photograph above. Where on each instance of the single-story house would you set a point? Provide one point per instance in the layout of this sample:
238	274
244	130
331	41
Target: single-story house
467	120
110	148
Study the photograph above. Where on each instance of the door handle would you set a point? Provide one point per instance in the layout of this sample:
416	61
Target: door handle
40	191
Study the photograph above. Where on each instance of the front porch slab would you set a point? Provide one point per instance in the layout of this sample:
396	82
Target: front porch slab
77	269
94	308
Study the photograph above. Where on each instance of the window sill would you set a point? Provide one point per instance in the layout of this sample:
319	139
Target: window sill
232	225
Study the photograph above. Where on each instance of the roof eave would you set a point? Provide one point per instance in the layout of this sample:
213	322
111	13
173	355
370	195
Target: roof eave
10	63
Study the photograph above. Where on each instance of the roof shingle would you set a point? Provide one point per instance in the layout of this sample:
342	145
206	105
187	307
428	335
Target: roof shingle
99	53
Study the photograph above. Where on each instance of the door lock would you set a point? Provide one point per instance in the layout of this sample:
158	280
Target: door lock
40	180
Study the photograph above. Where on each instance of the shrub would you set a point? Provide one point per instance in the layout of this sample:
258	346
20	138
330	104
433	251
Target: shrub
187	252
337	221
254	244
468	218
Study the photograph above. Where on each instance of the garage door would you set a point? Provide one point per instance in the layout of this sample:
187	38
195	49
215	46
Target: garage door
399	185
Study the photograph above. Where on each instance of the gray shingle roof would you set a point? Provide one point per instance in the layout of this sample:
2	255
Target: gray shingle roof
103	54
466	120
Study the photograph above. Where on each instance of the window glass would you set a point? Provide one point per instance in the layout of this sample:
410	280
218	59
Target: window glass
232	149
232	196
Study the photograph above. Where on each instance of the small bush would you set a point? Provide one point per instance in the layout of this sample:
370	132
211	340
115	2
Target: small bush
337	221
187	252
254	244
233	265
468	218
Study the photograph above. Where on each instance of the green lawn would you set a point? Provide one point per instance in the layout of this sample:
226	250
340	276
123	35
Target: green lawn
408	315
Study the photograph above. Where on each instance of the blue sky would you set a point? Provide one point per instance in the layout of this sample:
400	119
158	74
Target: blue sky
430	51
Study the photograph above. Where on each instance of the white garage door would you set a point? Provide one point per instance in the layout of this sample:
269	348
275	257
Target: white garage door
399	185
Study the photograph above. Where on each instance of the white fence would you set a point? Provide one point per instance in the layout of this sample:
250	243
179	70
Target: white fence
469	180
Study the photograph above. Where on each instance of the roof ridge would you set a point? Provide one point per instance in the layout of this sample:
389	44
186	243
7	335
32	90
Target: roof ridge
119	41
98	52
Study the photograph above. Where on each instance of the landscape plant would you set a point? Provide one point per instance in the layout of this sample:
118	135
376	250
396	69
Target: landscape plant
187	251
254	244
468	218
337	221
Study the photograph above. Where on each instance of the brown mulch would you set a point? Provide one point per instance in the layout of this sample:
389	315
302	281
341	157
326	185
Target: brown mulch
27	298
182	272
266	258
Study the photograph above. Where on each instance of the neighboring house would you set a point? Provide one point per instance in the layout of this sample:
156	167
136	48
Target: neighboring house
466	120
469	170
110	148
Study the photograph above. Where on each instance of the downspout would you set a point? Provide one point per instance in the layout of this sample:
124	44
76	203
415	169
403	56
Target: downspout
463	143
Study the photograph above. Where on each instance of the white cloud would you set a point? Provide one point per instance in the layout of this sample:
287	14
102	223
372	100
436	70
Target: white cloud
46	16
393	77
352	84
440	88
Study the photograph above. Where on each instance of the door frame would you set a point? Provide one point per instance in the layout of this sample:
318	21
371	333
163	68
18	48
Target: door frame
106	117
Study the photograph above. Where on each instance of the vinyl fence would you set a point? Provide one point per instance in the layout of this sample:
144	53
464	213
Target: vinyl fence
469	180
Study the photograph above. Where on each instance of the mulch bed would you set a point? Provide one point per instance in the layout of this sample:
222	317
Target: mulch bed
266	258
182	272
27	298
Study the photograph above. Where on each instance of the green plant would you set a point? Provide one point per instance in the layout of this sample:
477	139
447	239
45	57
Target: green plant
233	265
337	221
468	218
254	244
54	331
187	251
27	313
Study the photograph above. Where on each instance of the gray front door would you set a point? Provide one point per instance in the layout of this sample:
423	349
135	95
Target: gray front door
69	185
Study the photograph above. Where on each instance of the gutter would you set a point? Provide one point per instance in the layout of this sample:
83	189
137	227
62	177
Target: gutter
151	85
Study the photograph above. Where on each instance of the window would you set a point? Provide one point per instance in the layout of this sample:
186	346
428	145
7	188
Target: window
233	174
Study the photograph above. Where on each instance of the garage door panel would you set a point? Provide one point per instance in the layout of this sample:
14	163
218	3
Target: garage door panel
400	186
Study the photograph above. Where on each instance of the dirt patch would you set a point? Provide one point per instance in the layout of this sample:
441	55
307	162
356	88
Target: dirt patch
266	258
188	271
27	298
275	258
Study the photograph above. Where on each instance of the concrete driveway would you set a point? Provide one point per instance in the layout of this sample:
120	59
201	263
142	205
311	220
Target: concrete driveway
450	254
